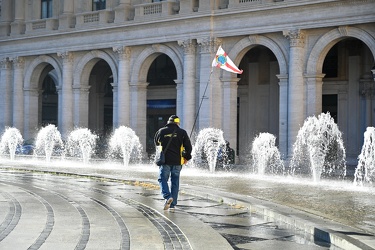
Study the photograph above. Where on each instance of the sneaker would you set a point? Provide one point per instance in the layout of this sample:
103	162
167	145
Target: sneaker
172	209
168	203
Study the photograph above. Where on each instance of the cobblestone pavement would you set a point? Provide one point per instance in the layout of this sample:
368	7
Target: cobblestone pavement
54	211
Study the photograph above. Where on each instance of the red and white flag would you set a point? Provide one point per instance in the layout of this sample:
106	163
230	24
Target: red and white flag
223	61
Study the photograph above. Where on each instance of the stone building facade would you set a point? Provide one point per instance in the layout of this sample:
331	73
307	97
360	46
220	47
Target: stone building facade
101	64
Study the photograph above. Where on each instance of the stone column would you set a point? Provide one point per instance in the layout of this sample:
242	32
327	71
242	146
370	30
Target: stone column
179	101
66	19
115	114
18	25
138	102
5	17
31	118
188	88
208	78
229	111
5	94
283	115
65	124
81	106
123	93
314	86
296	93
18	105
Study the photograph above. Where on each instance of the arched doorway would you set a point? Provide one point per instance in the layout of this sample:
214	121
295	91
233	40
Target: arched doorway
101	99
161	96
258	98
348	92
49	112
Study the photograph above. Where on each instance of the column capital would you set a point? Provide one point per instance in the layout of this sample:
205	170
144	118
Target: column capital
139	85
5	63
18	62
283	80
123	52
31	92
296	37
81	88
189	45
315	77
230	79
209	44
66	56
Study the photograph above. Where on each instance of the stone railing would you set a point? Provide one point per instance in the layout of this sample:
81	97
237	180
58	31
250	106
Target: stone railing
245	3
94	18
42	25
151	10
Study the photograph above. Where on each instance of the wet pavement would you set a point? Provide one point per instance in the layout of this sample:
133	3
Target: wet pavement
68	206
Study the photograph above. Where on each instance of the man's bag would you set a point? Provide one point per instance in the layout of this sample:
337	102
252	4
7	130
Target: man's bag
159	156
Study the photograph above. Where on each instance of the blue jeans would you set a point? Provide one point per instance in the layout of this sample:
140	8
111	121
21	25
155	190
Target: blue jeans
166	171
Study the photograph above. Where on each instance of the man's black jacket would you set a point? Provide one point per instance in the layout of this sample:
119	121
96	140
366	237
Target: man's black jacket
180	142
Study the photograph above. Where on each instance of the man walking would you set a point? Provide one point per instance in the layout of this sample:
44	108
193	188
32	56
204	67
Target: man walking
177	154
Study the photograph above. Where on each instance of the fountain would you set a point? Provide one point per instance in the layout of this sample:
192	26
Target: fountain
125	143
81	143
319	148
206	147
365	171
265	155
10	140
47	139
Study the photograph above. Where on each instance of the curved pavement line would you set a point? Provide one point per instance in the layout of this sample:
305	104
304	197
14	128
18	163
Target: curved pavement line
125	237
85	232
13	216
172	235
49	223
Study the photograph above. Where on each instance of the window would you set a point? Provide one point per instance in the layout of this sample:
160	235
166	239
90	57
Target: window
46	9
98	5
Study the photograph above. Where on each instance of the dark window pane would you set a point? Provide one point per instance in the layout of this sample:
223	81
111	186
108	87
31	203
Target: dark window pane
98	5
46	9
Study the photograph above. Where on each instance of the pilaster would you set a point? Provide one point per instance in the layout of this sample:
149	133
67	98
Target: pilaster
30	117
314	84
123	12
5	17
18	26
81	108
283	115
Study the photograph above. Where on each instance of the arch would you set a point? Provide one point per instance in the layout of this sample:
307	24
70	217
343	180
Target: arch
327	41
87	62
35	69
239	51
148	55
